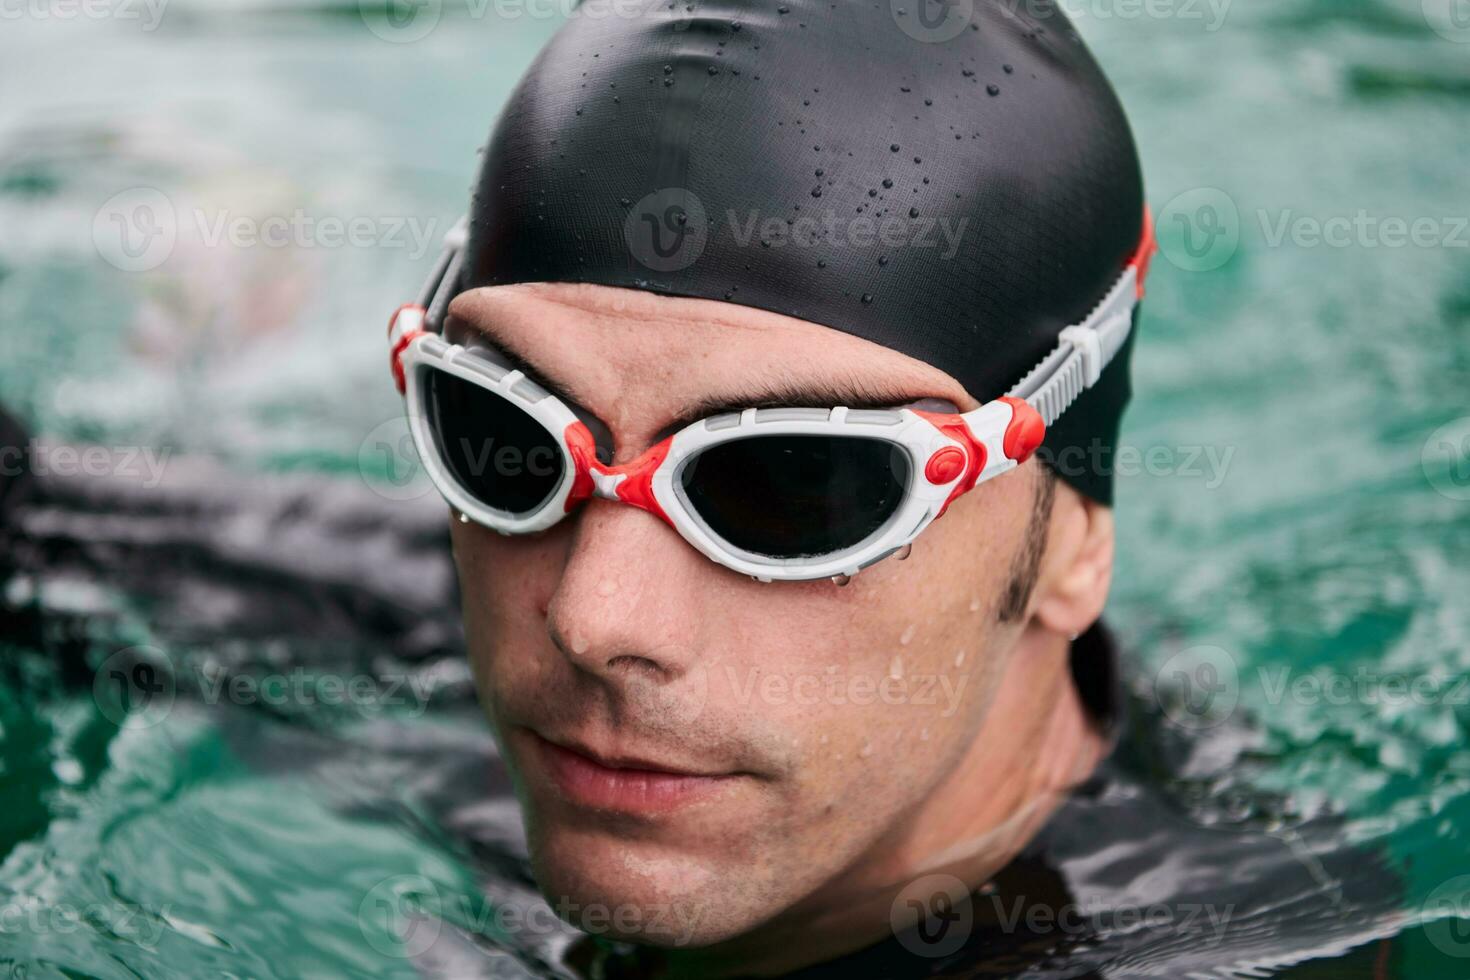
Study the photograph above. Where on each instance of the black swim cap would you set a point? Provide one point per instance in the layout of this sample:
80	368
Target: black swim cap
956	182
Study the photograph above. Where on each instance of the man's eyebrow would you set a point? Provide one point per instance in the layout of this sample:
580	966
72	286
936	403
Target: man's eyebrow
521	361
852	391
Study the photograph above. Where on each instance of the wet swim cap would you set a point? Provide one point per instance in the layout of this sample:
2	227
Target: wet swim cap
956	182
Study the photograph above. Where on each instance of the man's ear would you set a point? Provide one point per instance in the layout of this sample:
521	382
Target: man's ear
1077	569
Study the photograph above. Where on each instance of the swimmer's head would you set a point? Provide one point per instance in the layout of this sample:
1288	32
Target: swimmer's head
954	181
702	203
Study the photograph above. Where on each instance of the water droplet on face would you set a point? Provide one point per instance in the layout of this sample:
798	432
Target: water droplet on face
908	634
975	604
841	580
959	658
895	669
607	587
578	643
902	554
867	748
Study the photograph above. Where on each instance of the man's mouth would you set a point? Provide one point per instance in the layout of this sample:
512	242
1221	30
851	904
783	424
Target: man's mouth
601	780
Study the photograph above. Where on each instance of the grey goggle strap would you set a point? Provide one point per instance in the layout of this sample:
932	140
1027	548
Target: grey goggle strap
443	282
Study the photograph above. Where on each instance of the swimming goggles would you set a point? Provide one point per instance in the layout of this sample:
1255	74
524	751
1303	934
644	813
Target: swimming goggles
792	494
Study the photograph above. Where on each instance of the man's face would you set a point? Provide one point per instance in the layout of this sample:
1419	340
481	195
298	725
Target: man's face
697	751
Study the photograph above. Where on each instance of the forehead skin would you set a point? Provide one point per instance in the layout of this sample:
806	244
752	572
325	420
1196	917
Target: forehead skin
609	350
609	630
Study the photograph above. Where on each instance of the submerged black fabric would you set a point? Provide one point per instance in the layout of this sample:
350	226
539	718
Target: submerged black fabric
958	199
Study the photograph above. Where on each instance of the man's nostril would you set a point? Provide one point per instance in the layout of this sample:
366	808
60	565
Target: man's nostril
634	664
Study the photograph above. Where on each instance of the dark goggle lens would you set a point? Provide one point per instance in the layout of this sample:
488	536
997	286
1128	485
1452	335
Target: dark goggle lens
792	496
499	454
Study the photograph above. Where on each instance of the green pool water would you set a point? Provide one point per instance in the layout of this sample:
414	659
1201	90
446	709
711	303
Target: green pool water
1294	495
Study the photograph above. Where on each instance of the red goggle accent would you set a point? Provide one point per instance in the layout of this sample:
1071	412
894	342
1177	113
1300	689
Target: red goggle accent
954	426
1024	432
395	356
635	488
1147	246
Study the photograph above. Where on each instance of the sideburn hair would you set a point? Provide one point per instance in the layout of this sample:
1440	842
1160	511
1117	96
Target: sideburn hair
1027	563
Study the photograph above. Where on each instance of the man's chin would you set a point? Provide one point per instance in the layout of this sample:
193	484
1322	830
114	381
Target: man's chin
638	891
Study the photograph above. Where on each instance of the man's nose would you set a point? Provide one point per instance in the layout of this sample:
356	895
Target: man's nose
630	597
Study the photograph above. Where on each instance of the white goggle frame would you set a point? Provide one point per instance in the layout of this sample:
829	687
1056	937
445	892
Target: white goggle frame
948	454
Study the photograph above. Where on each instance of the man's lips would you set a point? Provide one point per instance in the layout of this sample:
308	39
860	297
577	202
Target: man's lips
628	784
